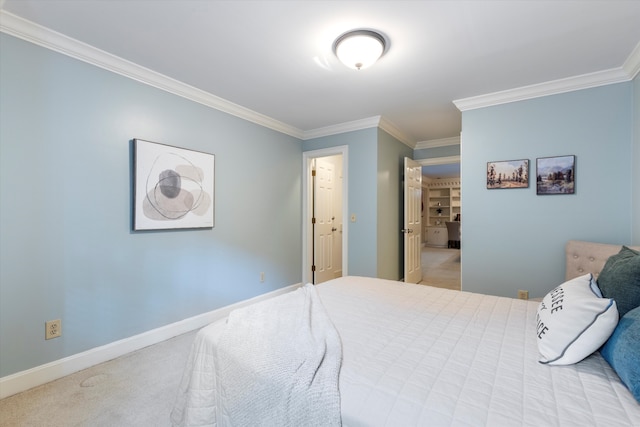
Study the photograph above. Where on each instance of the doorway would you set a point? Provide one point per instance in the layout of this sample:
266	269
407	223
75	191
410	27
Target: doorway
324	244
441	265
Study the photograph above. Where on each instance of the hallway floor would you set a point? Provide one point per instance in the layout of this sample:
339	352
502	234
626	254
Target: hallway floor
441	267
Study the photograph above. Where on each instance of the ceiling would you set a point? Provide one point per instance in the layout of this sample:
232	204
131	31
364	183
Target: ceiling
275	57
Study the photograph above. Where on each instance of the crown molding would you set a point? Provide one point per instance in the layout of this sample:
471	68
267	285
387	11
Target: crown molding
440	182
632	65
388	126
446	160
627	72
367	123
370	122
433	143
585	81
42	36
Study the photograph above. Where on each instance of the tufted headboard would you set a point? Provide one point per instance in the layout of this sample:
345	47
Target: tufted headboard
588	257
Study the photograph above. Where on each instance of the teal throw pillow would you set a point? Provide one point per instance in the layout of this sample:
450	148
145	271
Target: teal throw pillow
622	351
620	279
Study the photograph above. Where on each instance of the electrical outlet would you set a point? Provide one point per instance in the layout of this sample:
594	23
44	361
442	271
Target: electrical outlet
53	329
262	276
523	294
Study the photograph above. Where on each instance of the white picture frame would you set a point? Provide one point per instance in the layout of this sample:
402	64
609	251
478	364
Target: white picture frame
173	187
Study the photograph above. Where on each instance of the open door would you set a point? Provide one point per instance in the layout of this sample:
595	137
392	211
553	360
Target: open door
412	221
325	231
340	261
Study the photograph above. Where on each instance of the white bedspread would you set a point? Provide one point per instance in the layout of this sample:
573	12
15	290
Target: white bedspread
416	355
274	363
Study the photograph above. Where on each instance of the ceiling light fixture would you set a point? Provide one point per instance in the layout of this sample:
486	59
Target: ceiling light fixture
359	49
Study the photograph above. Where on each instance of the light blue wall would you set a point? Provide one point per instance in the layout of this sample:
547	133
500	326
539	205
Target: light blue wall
636	164
434	152
362	197
65	213
514	239
391	154
375	182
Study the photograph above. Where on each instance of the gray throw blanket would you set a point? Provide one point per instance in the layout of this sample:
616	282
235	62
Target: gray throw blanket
277	364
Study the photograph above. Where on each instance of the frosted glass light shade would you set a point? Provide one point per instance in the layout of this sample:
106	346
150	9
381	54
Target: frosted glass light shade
359	49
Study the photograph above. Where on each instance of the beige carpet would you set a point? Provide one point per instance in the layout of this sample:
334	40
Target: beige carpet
441	268
137	389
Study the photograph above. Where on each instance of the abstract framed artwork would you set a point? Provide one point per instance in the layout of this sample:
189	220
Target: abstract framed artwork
508	174
556	175
173	187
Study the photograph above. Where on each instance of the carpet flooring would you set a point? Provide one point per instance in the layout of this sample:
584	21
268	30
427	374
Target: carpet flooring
139	389
441	268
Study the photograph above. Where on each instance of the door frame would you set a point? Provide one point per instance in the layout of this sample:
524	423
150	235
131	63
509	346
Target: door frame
307	238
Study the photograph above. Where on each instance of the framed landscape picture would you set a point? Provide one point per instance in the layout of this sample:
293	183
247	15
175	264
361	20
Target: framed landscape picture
173	187
508	174
556	175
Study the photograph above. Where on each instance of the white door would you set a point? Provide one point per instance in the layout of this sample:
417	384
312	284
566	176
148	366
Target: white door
412	221
325	230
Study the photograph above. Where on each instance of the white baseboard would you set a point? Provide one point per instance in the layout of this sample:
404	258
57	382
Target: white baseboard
21	381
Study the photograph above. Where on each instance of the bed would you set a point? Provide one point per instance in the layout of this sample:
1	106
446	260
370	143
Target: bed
413	355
